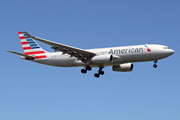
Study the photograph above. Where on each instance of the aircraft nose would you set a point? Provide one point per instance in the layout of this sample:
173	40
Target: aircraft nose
165	53
171	51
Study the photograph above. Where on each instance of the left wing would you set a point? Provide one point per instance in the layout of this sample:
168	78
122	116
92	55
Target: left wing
81	54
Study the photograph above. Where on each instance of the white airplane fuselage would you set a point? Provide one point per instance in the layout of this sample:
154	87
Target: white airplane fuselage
120	58
125	54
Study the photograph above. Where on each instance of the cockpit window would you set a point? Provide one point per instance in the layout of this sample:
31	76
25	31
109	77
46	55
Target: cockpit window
166	48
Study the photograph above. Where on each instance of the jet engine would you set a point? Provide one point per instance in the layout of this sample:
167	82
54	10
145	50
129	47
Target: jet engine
102	59
126	67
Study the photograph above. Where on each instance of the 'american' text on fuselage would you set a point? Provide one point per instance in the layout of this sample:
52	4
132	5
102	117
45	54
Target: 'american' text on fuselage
123	51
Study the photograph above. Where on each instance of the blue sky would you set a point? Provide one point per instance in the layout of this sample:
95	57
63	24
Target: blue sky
33	91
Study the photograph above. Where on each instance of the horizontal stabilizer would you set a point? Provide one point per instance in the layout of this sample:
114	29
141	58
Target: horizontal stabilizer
26	56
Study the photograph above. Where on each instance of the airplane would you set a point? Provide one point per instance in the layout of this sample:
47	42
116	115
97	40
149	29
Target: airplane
120	58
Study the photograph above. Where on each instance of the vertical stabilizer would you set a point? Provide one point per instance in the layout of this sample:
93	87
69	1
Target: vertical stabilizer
30	47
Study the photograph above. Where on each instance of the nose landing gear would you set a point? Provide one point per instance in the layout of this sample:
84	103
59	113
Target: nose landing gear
155	66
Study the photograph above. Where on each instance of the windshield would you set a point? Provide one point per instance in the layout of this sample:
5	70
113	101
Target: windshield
166	48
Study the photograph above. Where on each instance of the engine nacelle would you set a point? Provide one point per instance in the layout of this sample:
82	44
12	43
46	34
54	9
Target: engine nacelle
126	67
102	59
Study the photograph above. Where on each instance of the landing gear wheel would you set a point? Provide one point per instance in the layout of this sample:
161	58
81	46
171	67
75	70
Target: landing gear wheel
88	68
155	61
101	72
155	66
96	75
84	71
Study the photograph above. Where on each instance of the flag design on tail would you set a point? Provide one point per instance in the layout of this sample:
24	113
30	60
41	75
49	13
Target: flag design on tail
30	47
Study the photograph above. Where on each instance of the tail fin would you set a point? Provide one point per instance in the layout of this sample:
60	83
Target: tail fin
30	46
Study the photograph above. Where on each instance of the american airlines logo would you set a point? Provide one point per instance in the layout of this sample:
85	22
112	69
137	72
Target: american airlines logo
124	51
147	48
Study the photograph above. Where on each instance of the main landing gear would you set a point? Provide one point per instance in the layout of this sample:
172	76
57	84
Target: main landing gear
100	72
155	66
86	68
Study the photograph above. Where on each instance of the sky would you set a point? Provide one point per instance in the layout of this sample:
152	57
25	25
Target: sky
31	91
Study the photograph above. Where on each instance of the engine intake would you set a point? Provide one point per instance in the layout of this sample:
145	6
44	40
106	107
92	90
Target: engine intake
126	67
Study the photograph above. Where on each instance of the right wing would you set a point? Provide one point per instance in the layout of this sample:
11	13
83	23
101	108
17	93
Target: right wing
81	54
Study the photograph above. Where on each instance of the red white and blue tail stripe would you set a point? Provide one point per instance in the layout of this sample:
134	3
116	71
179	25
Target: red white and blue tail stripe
30	47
